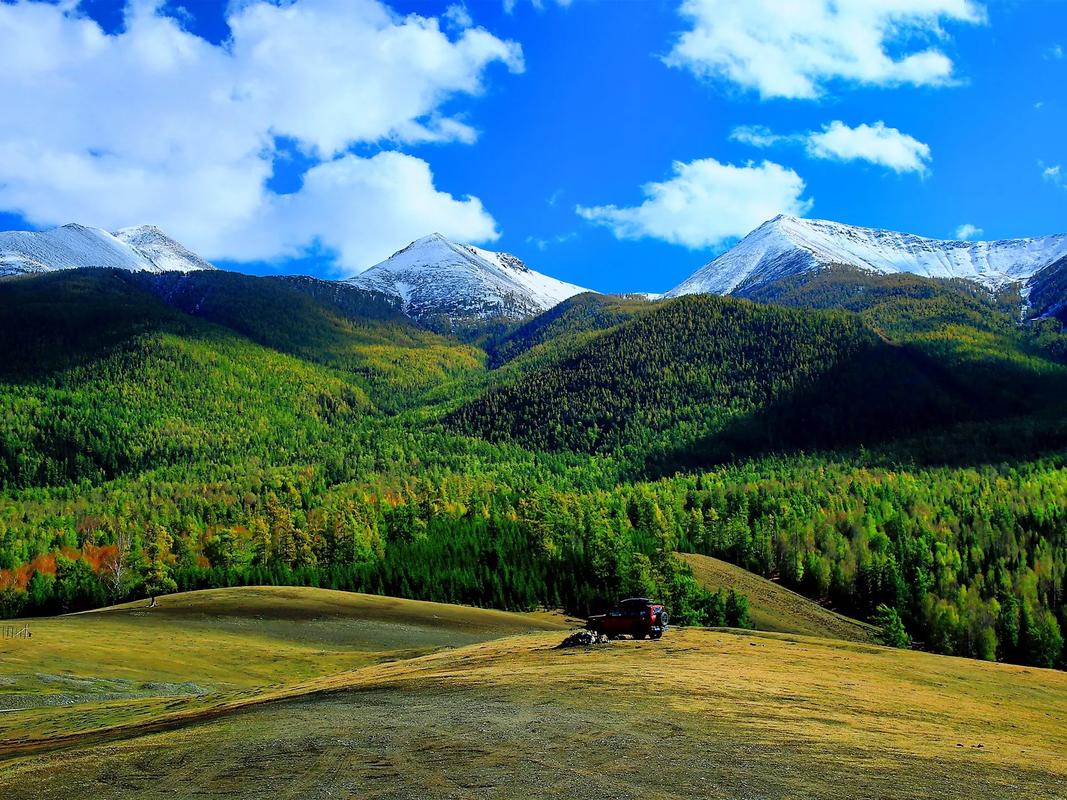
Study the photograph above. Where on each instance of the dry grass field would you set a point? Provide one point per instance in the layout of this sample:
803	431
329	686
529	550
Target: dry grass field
701	713
775	608
131	664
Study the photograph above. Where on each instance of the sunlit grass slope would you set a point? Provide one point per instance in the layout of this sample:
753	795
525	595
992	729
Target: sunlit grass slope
88	670
775	608
698	714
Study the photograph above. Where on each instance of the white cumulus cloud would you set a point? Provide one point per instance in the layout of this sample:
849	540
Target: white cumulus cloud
878	144
968	231
156	124
794	48
705	203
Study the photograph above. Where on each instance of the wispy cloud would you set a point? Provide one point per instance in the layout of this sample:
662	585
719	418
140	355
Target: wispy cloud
510	5
968	231
543	243
1054	53
876	144
1053	174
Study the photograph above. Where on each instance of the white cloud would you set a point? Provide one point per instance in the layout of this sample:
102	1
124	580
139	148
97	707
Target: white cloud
457	16
1055	52
793	48
155	124
968	231
543	243
759	136
363	209
876	143
539	5
706	203
1053	174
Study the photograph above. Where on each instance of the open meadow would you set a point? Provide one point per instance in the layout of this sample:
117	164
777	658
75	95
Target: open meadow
309	693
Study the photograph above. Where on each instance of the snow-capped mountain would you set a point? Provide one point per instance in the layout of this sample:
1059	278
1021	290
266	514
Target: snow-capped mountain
437	279
787	245
165	254
141	248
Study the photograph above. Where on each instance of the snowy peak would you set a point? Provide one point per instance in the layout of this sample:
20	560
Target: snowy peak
788	245
162	252
71	246
437	279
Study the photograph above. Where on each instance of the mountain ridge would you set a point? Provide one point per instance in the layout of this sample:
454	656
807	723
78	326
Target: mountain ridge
458	288
72	246
787	245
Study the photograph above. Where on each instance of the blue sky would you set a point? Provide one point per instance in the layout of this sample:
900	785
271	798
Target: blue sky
310	138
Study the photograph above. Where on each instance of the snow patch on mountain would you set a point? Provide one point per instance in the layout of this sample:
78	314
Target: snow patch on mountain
72	246
437	278
788	245
162	252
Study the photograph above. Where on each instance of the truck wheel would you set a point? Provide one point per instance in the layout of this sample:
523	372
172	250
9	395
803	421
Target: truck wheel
656	634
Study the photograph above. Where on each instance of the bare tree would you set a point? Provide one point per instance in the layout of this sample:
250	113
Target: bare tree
116	567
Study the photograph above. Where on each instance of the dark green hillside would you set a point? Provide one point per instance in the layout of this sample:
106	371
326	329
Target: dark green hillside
900	305
582	313
974	332
1048	296
748	376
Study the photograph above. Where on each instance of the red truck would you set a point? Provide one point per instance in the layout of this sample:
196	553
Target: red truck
638	617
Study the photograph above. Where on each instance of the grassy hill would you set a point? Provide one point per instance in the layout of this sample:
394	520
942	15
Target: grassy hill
701	713
775	608
98	668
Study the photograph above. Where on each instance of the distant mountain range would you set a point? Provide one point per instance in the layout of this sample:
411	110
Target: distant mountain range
442	284
787	246
144	247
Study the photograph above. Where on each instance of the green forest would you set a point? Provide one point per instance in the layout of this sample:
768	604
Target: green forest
891	447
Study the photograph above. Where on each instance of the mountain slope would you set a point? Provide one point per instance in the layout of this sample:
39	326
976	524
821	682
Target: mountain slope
441	283
575	316
73	246
722	376
787	246
328	322
108	372
774	607
165	254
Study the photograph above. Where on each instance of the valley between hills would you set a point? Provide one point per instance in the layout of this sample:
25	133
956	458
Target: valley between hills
298	537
